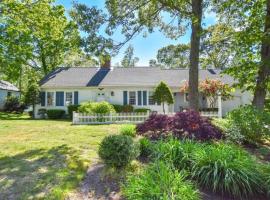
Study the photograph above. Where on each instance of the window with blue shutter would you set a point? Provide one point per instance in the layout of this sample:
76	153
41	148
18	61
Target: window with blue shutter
76	98
139	98
59	99
144	98
125	98
42	98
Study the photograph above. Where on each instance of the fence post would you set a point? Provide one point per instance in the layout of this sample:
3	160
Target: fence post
219	105
73	117
111	119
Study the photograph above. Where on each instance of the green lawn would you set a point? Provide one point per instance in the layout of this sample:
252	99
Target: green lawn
42	159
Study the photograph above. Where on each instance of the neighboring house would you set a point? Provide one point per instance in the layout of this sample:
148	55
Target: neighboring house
7	89
133	86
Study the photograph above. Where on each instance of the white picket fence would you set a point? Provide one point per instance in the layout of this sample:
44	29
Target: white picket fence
110	118
120	118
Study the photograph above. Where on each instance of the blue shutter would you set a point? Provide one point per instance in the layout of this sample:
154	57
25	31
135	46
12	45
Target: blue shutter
139	98
76	98
42	98
59	98
144	98
125	99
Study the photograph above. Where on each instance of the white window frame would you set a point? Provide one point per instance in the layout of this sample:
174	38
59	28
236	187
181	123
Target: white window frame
136	101
53	101
71	98
148	103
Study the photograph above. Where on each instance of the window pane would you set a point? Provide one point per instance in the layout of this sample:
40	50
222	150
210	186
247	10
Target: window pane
68	98
50	98
150	99
132	98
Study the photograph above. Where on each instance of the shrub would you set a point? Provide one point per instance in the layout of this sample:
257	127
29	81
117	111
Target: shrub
182	125
146	147
141	110
55	113
71	109
159	181
191	125
155	127
251	123
96	107
13	104
118	150
128	129
42	112
123	108
227	169
30	113
179	153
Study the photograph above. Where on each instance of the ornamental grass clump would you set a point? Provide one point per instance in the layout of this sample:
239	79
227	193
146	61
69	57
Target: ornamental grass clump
128	129
159	181
227	169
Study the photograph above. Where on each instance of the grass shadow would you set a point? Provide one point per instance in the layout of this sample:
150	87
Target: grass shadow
40	173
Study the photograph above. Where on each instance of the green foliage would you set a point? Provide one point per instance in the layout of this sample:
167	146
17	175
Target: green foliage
174	56
250	122
13	104
128	129
159	181
227	169
123	108
36	34
71	109
141	110
96	107
128	59
163	94
222	168
55	113
118	150
146	147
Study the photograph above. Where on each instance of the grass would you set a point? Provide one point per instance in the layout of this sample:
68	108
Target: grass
43	159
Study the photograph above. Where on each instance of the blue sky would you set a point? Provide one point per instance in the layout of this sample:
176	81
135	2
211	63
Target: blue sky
144	48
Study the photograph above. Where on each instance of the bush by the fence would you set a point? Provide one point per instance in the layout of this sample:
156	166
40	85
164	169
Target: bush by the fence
187	124
118	150
13	104
208	109
71	109
123	108
55	113
42	112
128	129
102	107
159	181
253	124
141	110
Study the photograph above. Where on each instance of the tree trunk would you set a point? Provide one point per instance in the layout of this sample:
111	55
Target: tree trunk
163	108
194	54
33	114
264	70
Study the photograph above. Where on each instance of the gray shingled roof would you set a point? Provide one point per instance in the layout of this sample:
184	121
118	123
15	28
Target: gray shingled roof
137	76
4	85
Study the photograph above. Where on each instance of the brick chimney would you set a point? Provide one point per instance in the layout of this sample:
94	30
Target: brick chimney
105	62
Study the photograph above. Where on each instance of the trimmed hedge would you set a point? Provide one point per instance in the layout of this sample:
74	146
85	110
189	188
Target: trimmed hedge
55	113
123	108
141	110
102	107
71	109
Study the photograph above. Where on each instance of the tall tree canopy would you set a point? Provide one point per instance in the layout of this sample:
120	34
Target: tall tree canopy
174	56
251	20
34	33
129	60
136	15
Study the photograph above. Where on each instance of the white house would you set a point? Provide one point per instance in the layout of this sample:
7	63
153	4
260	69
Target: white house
7	89
133	86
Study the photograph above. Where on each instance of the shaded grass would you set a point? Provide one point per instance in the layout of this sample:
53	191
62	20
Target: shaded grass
44	159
